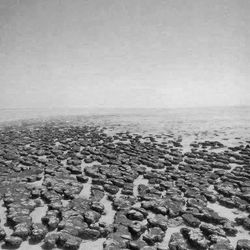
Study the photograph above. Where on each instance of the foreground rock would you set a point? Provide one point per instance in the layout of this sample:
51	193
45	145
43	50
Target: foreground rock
243	245
141	186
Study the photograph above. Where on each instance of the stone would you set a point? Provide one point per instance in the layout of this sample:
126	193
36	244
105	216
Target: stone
178	242
209	229
243	245
154	235
137	244
190	220
135	215
91	216
13	241
158	221
229	228
90	234
68	241
195	238
246	223
136	228
38	232
50	240
22	230
2	233
98	207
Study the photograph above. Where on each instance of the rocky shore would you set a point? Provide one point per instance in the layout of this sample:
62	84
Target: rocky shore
69	187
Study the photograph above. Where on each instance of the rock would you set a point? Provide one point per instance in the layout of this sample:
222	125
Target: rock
72	244
22	230
98	207
105	230
51	219
195	237
159	221
149	248
154	235
82	178
162	245
122	231
135	215
68	241
76	170
53	223
219	243
55	205
243	245
246	223
221	246
91	216
191	220
137	244
175	222
90	234
210	216
136	228
226	202
50	240
177	242
2	234
13	241
111	189
122	204
111	244
209	229
229	228
118	182
38	232
96	194
19	219
115	241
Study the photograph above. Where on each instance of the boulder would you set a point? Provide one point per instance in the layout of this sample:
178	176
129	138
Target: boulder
190	220
38	232
2	234
13	241
209	229
135	215
243	245
178	242
22	230
91	216
154	235
195	238
50	240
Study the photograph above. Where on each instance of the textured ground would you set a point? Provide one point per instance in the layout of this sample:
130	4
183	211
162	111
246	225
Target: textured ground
65	186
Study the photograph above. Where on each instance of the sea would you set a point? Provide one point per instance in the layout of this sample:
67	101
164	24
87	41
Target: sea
231	125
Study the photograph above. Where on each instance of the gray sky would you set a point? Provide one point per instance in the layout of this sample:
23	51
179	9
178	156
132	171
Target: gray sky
124	53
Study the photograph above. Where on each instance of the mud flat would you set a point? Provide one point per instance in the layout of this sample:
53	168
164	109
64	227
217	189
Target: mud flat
67	186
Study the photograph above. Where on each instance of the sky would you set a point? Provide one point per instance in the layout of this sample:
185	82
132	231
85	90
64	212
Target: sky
124	53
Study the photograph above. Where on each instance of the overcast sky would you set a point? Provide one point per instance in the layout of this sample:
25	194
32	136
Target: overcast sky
124	53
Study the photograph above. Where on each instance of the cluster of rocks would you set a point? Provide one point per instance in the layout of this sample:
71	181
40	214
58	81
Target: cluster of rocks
153	185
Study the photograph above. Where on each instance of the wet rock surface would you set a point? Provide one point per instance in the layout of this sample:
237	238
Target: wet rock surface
63	185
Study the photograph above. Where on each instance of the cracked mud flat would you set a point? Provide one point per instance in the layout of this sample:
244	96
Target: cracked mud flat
69	185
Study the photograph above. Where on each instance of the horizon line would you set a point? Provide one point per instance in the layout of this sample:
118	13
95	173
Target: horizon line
125	108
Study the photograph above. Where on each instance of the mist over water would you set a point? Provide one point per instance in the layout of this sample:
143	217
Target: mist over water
234	121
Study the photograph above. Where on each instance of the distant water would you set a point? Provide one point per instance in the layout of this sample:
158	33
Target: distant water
227	124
